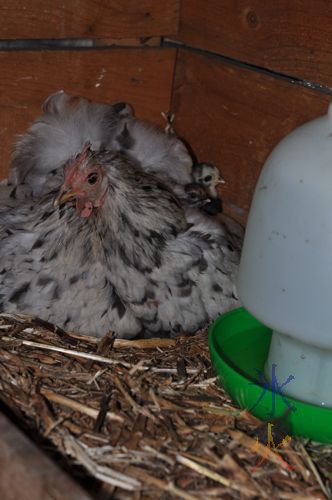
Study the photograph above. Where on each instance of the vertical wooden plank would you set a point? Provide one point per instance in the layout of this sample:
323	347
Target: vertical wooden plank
233	117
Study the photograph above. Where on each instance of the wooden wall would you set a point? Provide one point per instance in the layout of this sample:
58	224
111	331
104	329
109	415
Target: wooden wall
248	74
140	76
117	19
104	50
239	76
234	117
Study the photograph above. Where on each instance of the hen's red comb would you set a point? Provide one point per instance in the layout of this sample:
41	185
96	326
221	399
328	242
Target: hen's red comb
81	157
73	166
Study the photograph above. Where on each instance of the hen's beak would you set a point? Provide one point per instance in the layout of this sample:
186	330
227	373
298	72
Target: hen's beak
64	196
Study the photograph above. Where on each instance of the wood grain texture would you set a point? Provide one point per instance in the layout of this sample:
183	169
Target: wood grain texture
233	117
142	77
87	18
293	37
28	474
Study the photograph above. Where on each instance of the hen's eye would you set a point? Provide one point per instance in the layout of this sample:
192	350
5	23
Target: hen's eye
92	178
208	178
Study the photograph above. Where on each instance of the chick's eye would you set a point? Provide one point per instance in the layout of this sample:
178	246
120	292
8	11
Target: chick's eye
92	178
208	178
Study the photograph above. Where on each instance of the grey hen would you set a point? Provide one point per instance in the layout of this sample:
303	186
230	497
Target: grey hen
118	252
68	122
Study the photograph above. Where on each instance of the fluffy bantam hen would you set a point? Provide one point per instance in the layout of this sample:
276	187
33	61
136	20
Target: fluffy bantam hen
115	249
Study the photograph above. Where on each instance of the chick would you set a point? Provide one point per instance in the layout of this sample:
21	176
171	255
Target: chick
195	195
208	176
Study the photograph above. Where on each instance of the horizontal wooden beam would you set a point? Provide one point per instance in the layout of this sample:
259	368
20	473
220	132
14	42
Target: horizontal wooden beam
87	18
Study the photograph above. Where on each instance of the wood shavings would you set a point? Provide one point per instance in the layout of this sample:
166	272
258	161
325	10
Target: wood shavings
147	419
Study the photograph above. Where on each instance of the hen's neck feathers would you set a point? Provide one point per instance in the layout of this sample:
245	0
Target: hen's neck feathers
128	224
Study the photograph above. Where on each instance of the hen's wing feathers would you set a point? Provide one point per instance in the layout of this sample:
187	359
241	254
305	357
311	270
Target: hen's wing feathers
192	279
195	282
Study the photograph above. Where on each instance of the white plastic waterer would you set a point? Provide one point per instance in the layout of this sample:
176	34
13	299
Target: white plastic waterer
285	277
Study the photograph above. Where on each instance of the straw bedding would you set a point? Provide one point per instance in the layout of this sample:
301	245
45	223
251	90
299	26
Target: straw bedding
148	419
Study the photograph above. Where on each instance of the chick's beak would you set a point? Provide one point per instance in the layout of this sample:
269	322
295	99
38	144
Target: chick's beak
221	180
64	196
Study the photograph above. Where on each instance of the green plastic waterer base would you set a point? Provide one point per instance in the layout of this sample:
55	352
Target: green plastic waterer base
239	346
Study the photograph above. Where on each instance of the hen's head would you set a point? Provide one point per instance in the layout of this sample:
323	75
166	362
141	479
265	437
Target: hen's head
85	183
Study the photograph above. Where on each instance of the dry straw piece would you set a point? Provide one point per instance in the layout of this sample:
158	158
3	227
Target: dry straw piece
147	419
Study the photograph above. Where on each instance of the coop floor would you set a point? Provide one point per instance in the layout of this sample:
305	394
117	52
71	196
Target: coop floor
148	419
